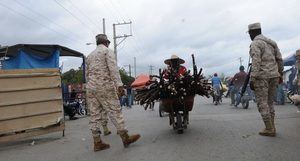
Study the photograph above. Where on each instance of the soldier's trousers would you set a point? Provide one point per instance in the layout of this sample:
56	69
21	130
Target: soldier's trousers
265	90
102	104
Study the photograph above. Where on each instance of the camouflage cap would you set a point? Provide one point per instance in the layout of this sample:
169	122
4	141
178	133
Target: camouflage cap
254	26
102	38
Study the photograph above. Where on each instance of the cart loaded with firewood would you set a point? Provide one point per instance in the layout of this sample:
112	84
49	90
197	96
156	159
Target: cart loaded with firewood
176	94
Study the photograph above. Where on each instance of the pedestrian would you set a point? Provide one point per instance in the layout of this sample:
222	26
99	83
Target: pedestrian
217	86
266	74
73	95
237	82
229	85
103	84
129	96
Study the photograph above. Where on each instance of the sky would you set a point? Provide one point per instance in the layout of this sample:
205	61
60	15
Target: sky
213	30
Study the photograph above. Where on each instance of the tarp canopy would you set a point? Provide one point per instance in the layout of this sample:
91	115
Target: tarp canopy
30	56
42	50
141	81
290	60
25	60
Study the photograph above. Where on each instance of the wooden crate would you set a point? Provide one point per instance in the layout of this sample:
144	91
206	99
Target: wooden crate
30	103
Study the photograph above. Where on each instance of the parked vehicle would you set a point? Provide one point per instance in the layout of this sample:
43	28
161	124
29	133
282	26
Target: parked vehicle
74	107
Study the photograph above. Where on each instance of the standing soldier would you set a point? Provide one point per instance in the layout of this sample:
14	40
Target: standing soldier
266	73
103	84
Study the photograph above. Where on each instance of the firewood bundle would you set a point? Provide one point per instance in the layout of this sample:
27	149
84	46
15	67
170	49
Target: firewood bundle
174	88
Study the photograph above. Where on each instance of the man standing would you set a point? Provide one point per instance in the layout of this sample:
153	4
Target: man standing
217	86
266	73
103	83
237	82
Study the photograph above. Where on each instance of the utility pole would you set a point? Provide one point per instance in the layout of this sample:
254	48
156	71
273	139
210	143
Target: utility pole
129	69
151	68
241	60
103	22
134	65
123	37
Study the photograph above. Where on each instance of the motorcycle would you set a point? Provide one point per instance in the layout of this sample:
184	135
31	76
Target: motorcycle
71	108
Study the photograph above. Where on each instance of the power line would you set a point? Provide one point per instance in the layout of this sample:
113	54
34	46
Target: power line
39	14
136	45
33	20
117	11
82	13
106	7
126	15
113	10
74	16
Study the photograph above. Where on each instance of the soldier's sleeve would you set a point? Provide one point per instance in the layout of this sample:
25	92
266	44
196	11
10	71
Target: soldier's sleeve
255	53
279	60
113	68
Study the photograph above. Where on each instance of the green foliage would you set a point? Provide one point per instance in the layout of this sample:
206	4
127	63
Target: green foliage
76	76
126	79
73	76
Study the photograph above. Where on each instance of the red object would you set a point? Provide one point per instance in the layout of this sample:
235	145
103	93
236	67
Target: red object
180	72
141	81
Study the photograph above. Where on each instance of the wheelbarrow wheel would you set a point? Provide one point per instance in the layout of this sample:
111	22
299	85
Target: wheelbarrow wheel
179	123
245	104
160	110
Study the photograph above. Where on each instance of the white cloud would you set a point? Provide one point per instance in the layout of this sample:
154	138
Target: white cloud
213	30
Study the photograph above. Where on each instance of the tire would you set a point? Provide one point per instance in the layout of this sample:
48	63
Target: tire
245	104
160	110
82	111
72	112
179	123
160	113
180	131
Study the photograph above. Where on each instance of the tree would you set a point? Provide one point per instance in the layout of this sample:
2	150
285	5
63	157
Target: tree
126	79
73	76
76	76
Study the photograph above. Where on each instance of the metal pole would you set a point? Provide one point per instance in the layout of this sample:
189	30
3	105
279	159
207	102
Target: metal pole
129	70
134	65
115	41
103	22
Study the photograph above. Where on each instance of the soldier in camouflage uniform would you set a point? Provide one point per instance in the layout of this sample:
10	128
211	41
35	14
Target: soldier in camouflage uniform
103	82
266	73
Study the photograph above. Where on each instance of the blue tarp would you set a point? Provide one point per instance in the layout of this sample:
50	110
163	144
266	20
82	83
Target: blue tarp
290	60
29	61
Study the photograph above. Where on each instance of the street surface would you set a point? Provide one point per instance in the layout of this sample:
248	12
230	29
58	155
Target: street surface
215	133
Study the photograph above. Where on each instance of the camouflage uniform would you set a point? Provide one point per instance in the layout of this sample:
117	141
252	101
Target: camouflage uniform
103	79
267	67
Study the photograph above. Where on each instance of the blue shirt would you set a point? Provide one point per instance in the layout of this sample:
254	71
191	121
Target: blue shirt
216	81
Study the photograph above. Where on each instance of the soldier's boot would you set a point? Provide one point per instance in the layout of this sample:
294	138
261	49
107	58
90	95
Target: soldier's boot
106	131
98	143
268	131
128	139
273	123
